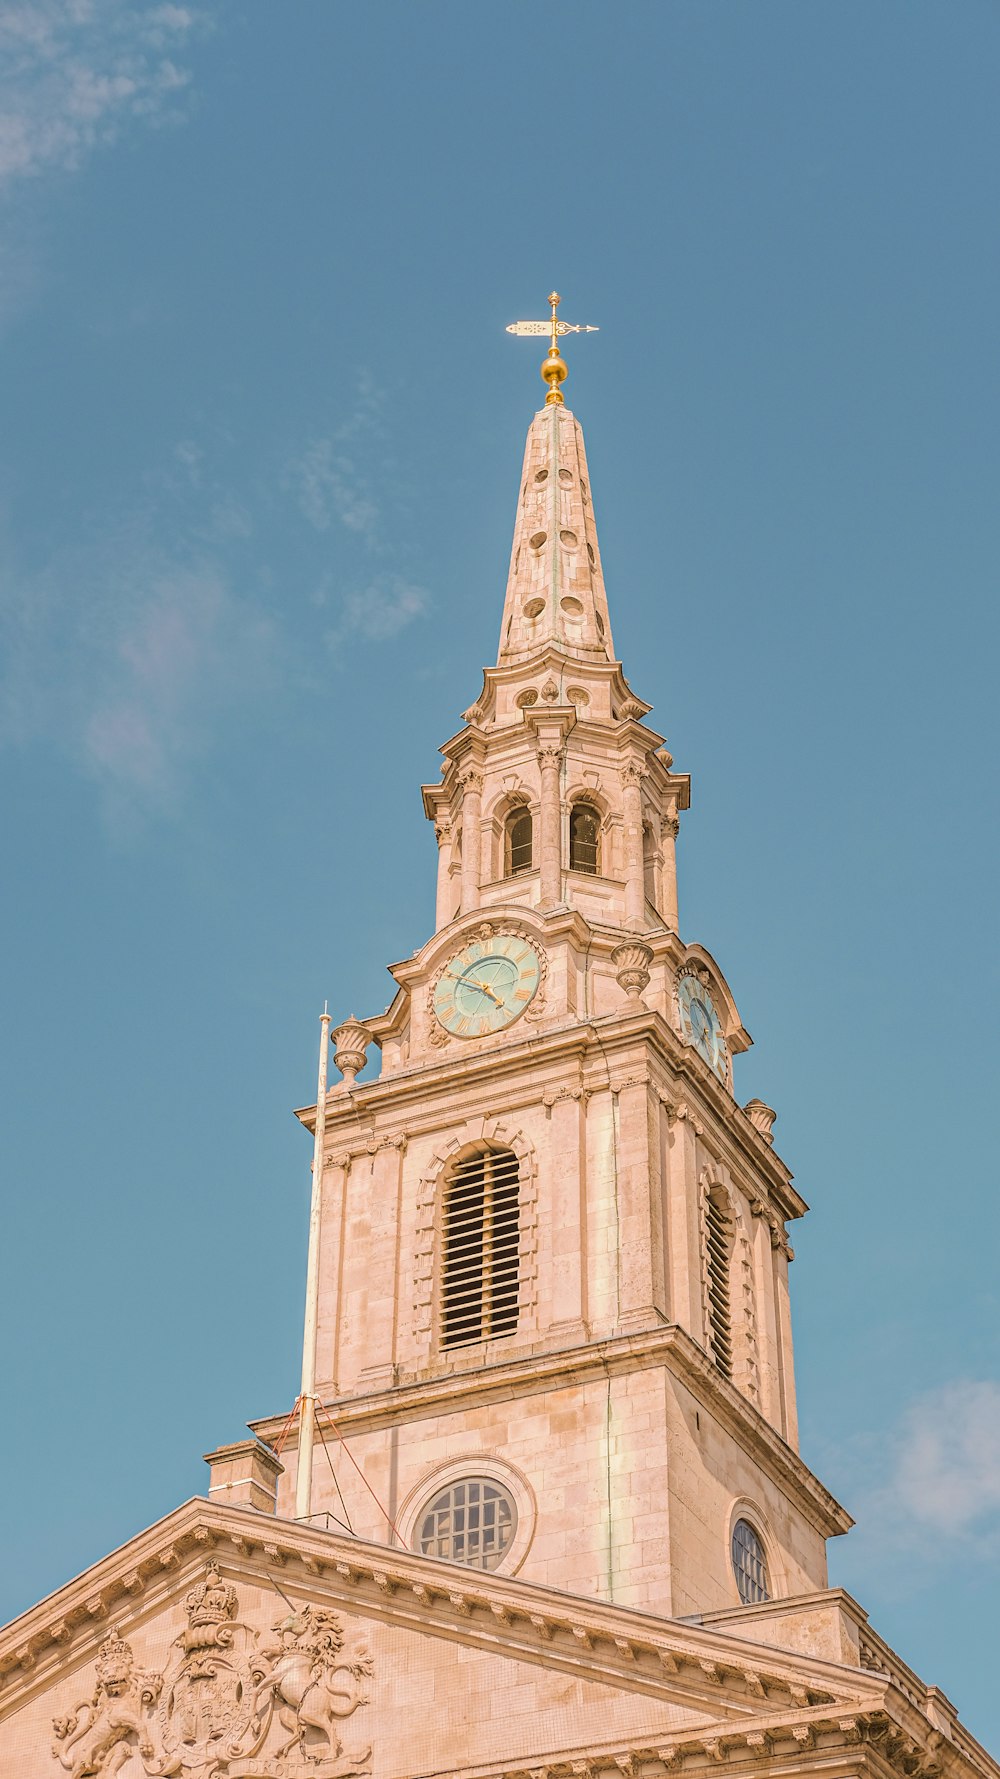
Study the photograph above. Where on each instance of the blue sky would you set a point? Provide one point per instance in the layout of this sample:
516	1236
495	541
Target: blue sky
257	483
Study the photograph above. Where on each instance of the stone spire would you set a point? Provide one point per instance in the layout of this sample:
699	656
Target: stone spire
555	588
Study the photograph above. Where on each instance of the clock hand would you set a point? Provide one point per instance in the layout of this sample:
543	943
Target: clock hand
486	991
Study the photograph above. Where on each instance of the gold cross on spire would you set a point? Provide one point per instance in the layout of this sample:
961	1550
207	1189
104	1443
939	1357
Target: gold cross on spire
553	365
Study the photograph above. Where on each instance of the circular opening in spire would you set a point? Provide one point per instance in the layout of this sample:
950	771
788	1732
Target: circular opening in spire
537	539
534	608
541	475
565	475
600	623
590	553
569	539
572	607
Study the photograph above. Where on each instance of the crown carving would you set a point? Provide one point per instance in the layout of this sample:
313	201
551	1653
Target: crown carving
115	1661
212	1602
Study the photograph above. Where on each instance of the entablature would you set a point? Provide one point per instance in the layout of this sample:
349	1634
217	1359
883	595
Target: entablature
456	1388
602	1054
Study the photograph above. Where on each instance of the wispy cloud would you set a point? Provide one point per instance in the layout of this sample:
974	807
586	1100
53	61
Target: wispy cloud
946	1458
328	486
195	605
126	662
181	653
379	611
76	73
330	479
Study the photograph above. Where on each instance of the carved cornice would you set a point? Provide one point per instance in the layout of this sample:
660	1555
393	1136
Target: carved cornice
758	1702
668	1346
830	1742
583	1633
411	1095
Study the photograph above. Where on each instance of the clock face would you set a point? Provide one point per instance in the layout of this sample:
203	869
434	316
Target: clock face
701	1024
487	985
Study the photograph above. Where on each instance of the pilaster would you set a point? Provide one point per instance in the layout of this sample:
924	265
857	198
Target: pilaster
642	1285
384	1280
472	804
635	867
566	1222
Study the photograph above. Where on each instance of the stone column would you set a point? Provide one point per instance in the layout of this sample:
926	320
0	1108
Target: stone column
635	868
550	825
442	831
472	804
668	839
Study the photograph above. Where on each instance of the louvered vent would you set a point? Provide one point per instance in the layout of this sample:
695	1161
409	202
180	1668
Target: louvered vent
719	1320
479	1274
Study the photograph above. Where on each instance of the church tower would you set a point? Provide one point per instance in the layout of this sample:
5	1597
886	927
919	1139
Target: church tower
553	1317
538	1511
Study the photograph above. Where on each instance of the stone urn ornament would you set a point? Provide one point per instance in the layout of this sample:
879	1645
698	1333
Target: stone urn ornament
350	1047
632	962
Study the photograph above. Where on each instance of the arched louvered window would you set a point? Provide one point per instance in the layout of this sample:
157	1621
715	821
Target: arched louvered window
479	1270
517	842
584	838
718	1246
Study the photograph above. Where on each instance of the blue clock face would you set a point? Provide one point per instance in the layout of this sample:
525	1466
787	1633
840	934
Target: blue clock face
487	986
701	1025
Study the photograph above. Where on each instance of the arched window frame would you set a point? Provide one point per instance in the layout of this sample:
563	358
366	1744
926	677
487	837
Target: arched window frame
473	1463
744	1509
717	1239
506	806
479	1247
517	813
741	1363
426	1324
586	799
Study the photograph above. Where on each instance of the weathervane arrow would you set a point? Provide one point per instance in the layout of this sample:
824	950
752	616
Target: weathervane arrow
553	365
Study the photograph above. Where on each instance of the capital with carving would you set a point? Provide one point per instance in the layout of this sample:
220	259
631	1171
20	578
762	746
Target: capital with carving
549	754
442	827
632	962
632	774
350	1042
471	781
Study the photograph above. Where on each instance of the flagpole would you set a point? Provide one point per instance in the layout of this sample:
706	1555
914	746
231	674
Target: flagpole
307	1394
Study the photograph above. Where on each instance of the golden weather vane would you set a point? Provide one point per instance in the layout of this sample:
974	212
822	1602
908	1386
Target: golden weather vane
553	365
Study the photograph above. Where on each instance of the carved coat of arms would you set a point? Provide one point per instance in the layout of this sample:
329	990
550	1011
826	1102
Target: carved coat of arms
232	1702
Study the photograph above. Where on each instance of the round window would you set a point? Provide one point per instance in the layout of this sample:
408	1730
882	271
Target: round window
749	1564
472	1522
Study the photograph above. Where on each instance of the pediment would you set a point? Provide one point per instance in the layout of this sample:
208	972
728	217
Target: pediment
222	1644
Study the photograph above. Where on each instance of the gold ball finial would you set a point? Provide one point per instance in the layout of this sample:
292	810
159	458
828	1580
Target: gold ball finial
554	371
554	368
